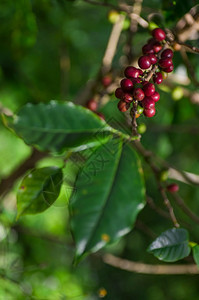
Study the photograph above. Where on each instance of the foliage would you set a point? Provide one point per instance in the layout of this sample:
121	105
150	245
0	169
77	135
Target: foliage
94	179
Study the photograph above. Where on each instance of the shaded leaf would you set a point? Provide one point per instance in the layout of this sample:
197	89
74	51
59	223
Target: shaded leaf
38	190
109	195
171	245
196	254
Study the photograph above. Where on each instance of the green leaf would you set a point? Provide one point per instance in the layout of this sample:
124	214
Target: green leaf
38	190
196	254
109	194
57	126
171	245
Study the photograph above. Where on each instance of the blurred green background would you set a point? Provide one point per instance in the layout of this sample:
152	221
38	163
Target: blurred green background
49	50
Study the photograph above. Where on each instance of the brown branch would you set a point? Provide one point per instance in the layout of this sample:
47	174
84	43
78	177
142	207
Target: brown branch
7	183
142	268
149	159
189	67
185	208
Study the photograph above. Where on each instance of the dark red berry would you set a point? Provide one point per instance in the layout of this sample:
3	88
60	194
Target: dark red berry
151	41
149	89
136	81
149	112
148	103
92	105
126	85
158	34
131	72
157	47
147	49
173	187
100	115
119	93
165	62
140	72
169	69
157	78
156	97
138	94
123	106
153	58
144	62
127	97
106	81
168	53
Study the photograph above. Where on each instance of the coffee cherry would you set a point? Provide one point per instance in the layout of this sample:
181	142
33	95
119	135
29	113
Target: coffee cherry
168	53
157	78
119	93
136	81
149	112
100	115
127	98
173	187
165	62
164	75
92	105
156	97
158	34
153	58
144	62
123	106
148	103
126	85
106	81
138	94
140	109
149	89
169	69
147	49
131	72
140	72
157	47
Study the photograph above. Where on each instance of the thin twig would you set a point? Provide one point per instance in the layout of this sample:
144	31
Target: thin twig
142	268
185	208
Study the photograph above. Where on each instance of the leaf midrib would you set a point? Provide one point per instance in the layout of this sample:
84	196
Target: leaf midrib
108	197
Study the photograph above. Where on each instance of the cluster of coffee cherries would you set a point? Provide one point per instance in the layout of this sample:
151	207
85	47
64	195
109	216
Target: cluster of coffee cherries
154	64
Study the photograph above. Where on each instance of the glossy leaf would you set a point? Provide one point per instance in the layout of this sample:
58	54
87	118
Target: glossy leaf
38	190
171	245
56	126
109	195
196	254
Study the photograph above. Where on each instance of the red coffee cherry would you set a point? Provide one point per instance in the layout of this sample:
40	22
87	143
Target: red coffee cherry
165	62
149	112
158	34
106	81
157	47
148	103
131	72
157	78
92	105
144	62
126	85
100	115
138	94
156	97
147	49
136	81
173	187
149	89
168	53
119	93
153	58
123	106
127	98
169	69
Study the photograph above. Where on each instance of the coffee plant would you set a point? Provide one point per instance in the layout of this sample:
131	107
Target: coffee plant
111	177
